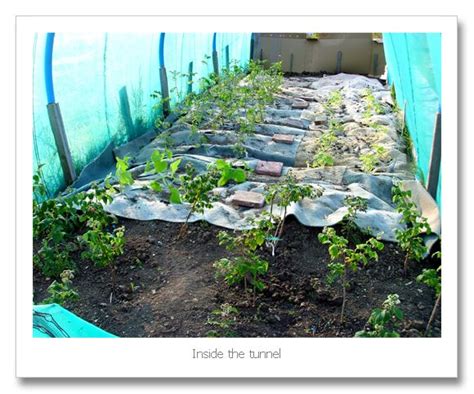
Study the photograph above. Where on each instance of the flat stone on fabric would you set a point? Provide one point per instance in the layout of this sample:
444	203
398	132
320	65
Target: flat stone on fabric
299	104
248	199
283	138
271	168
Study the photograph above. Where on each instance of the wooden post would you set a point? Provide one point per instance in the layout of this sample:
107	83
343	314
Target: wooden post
338	62
126	113
375	64
165	96
435	159
227	57
215	62
190	78
60	138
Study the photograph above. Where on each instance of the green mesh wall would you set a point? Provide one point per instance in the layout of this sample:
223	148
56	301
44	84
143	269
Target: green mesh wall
93	75
414	67
44	148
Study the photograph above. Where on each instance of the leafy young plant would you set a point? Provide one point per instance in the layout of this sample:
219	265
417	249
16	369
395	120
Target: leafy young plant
323	157
59	224
384	321
410	238
223	319
344	258
286	192
372	104
236	98
197	190
334	101
162	165
246	269
432	278
122	173
62	292
354	204
247	266
103	247
371	159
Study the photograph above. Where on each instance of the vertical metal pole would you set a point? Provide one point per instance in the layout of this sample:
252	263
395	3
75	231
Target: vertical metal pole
261	54
338	62
57	126
54	115
435	159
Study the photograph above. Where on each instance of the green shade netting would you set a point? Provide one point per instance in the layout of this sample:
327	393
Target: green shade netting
414	67
94	72
53	321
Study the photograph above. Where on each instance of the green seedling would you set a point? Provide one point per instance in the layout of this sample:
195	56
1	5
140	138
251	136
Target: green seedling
59	224
103	247
432	278
286	192
372	104
62	291
223	319
247	266
410	238
237	96
369	161
334	101
384	321
323	157
382	129
165	168
344	258
197	190
354	205
246	269
122	173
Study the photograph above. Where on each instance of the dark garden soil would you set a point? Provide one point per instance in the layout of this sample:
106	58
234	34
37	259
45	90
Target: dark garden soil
166	287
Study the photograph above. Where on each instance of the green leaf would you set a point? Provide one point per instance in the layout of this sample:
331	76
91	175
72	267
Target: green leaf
158	161
155	186
238	175
334	251
175	197
174	166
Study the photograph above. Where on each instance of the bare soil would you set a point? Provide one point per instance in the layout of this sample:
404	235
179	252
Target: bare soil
166	287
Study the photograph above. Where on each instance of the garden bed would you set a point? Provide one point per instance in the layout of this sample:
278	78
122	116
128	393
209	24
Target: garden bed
166	287
287	195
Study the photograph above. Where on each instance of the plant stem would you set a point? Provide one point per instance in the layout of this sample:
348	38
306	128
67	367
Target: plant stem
184	227
282	224
344	283
432	316
405	265
114	276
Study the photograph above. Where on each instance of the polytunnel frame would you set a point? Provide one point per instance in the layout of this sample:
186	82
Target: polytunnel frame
55	117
